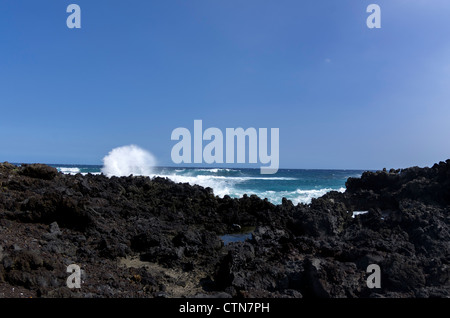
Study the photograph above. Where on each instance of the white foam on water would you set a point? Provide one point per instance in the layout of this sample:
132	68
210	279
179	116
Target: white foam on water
132	160
67	170
221	185
237	179
128	160
305	196
297	196
214	170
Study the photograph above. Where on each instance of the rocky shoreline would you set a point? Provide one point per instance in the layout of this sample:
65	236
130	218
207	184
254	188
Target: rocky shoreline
142	237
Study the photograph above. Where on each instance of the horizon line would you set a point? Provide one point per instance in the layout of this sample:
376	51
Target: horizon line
196	167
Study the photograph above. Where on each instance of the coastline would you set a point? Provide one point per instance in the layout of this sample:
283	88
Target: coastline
141	237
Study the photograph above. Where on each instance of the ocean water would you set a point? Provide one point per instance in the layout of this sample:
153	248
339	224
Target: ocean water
297	185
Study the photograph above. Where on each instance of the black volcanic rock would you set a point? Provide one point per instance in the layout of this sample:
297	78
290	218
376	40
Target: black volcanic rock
38	171
428	185
142	237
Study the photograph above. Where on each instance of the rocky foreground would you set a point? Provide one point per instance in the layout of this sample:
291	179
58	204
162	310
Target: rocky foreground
142	237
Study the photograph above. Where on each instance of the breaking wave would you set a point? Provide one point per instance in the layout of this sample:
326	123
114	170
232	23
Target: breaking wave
128	160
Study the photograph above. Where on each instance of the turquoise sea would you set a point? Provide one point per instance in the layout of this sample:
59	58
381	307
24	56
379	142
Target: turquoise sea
297	185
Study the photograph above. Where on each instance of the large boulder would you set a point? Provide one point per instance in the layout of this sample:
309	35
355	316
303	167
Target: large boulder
38	171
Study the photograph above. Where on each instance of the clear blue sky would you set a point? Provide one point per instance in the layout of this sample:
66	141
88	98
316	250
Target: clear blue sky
343	95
